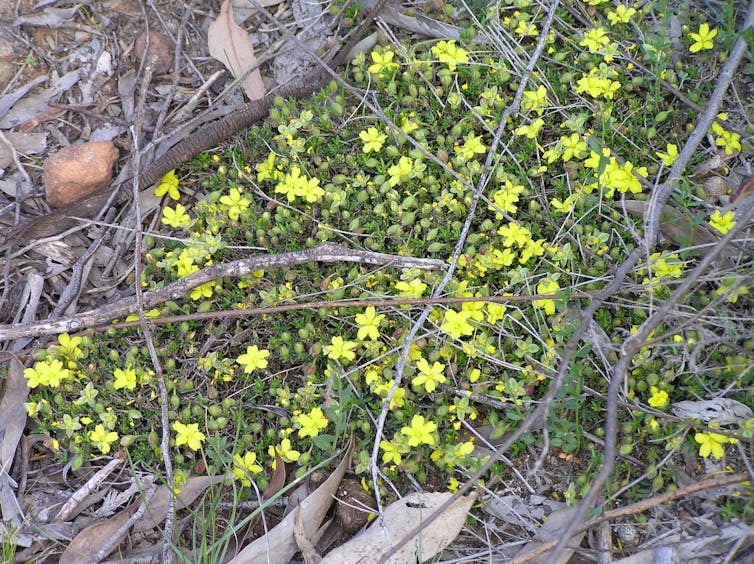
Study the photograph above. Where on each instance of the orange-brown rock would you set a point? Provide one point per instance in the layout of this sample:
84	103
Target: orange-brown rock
78	170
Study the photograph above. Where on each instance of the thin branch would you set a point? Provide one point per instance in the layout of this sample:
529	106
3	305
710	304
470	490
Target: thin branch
326	252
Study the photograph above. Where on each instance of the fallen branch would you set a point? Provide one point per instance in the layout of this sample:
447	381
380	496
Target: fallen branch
326	252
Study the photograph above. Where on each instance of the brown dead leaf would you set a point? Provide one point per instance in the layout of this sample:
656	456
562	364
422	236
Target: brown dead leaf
158	505
230	44
279	544
25	143
310	554
401	518
89	541
678	227
15	392
278	478
553	528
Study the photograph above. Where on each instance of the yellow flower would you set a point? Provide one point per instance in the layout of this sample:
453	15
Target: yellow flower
253	358
295	185
472	146
514	234
429	376
311	423
659	398
668	158
102	439
244	466
338	348
703	38
622	14
69	346
372	139
413	289
285	451
533	99
391	454
202	291
175	217
566	206
369	324
188	435
531	130
729	141
382	61
48	373
712	443
595	39
449	52
573	146
546	286
168	185
526	29
505	199
236	203
401	171
456	324
420	431
495	313
722	223
124	379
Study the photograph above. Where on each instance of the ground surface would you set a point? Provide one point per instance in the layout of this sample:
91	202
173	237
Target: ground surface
570	366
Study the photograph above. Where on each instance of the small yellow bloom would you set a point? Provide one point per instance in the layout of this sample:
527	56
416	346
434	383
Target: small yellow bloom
429	376
124	379
712	444
668	158
595	39
456	324
703	38
622	14
311	423
188	435
168	185
722	223
253	358
244	466
102	439
420	431
373	140
340	349
659	398
546	286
